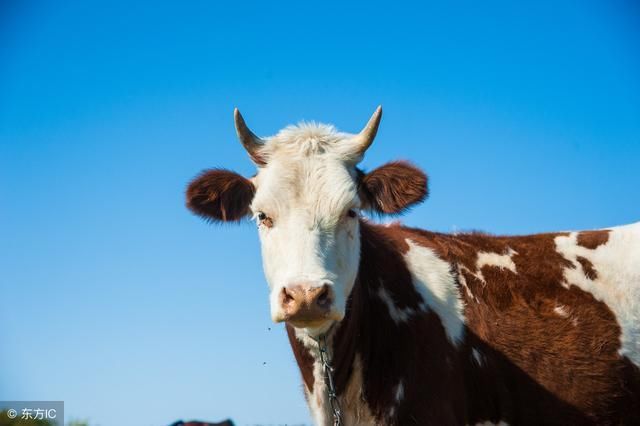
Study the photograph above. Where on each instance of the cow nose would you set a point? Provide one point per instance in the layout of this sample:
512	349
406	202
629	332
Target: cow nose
305	303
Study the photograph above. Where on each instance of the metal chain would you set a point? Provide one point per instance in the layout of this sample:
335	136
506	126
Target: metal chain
328	380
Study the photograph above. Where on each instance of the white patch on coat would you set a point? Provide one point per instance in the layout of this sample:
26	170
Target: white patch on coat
399	315
399	393
617	263
436	285
355	409
502	261
317	398
477	356
561	310
463	282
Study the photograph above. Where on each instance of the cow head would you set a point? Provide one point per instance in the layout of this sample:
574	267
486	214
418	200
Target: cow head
306	199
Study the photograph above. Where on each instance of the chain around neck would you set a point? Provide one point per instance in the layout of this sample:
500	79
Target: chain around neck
325	360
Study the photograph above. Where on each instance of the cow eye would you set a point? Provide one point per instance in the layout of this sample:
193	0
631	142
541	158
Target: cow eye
352	213
263	219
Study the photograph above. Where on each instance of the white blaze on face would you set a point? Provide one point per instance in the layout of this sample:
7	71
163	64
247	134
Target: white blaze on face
306	190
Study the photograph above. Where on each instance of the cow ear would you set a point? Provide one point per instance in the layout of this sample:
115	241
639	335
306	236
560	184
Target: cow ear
393	187
220	195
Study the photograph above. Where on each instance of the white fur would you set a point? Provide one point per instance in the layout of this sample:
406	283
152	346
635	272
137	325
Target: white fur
463	282
306	189
310	139
355	410
477	356
399	394
617	263
502	261
317	398
433	279
398	315
561	310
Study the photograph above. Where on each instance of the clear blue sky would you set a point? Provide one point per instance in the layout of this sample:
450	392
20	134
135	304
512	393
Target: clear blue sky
118	301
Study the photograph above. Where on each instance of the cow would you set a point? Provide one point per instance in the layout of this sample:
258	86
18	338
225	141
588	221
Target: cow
394	325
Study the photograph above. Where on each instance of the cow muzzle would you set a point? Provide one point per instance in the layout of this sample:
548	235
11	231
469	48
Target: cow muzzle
306	305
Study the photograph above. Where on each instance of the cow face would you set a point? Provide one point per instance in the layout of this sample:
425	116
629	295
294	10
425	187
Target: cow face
306	200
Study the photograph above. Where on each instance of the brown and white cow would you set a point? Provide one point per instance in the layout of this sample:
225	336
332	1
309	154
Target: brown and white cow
428	328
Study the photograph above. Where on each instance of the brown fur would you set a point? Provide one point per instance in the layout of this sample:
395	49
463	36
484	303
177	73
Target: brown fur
537	367
593	239
393	187
587	267
220	195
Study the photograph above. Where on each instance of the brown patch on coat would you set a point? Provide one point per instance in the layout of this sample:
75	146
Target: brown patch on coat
393	187
587	267
220	195
593	239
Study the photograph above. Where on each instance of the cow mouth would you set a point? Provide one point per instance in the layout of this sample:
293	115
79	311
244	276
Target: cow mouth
315	323
308	323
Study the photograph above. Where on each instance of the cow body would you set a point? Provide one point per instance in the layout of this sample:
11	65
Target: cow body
541	329
427	328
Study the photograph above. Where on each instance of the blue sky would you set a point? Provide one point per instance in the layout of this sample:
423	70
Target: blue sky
134	312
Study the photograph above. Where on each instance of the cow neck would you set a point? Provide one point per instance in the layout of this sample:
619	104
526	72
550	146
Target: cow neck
365	324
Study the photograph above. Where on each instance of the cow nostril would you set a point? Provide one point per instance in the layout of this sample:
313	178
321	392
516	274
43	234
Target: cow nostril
324	299
286	297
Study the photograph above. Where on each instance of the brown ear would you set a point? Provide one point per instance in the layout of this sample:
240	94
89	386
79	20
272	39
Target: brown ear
393	187
220	195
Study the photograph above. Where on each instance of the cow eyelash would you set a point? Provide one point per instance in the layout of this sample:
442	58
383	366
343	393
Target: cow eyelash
263	219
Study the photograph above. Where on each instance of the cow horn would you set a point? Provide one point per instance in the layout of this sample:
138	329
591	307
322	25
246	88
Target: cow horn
364	139
251	142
